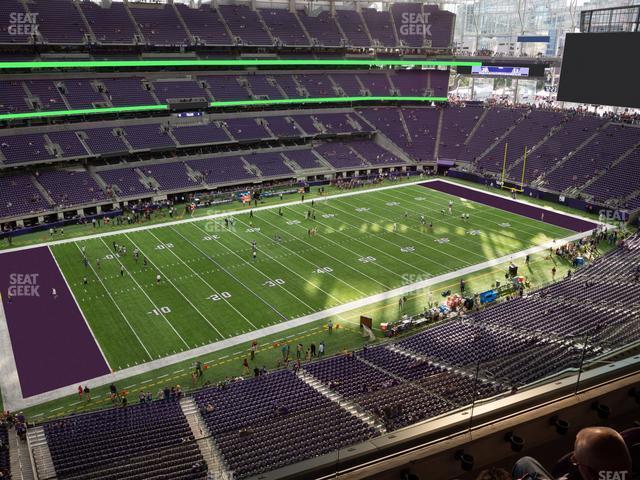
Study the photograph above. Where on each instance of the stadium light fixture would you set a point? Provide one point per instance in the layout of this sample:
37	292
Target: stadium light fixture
239	103
269	62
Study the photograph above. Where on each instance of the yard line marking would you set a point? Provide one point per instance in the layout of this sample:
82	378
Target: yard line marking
207	284
79	309
464	238
306	259
411	239
395	258
124	317
258	270
495	212
144	292
172	284
292	271
350	251
224	269
325	253
485	211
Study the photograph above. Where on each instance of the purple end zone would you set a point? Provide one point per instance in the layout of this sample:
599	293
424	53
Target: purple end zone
51	341
554	218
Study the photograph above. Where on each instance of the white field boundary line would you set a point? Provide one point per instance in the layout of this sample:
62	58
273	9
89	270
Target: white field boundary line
228	213
247	338
9	380
290	204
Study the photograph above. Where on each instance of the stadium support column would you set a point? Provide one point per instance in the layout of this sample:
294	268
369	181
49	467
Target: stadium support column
332	7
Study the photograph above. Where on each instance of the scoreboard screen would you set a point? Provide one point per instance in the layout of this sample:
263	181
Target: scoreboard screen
601	69
501	71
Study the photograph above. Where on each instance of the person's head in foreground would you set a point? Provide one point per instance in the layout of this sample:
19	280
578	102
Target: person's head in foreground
601	454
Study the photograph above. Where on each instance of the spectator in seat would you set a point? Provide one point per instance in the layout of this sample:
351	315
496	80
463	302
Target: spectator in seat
598	451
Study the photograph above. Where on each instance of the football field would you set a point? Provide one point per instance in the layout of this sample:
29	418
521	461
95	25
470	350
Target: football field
119	303
198	282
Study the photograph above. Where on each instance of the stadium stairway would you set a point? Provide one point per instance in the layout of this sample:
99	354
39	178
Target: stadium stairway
21	468
43	191
344	403
215	462
562	161
340	30
183	23
479	122
611	165
41	455
505	135
436	147
386	143
515	169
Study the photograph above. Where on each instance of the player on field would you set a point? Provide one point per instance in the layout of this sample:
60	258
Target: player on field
158	279
255	254
122	270
98	263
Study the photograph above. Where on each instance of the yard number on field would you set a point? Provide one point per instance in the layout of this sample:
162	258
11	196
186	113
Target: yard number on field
159	311
219	296
367	259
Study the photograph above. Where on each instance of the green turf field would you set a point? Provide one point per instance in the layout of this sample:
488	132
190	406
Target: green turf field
212	289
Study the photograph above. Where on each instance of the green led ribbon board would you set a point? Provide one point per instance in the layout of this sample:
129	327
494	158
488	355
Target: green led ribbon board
234	63
239	103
